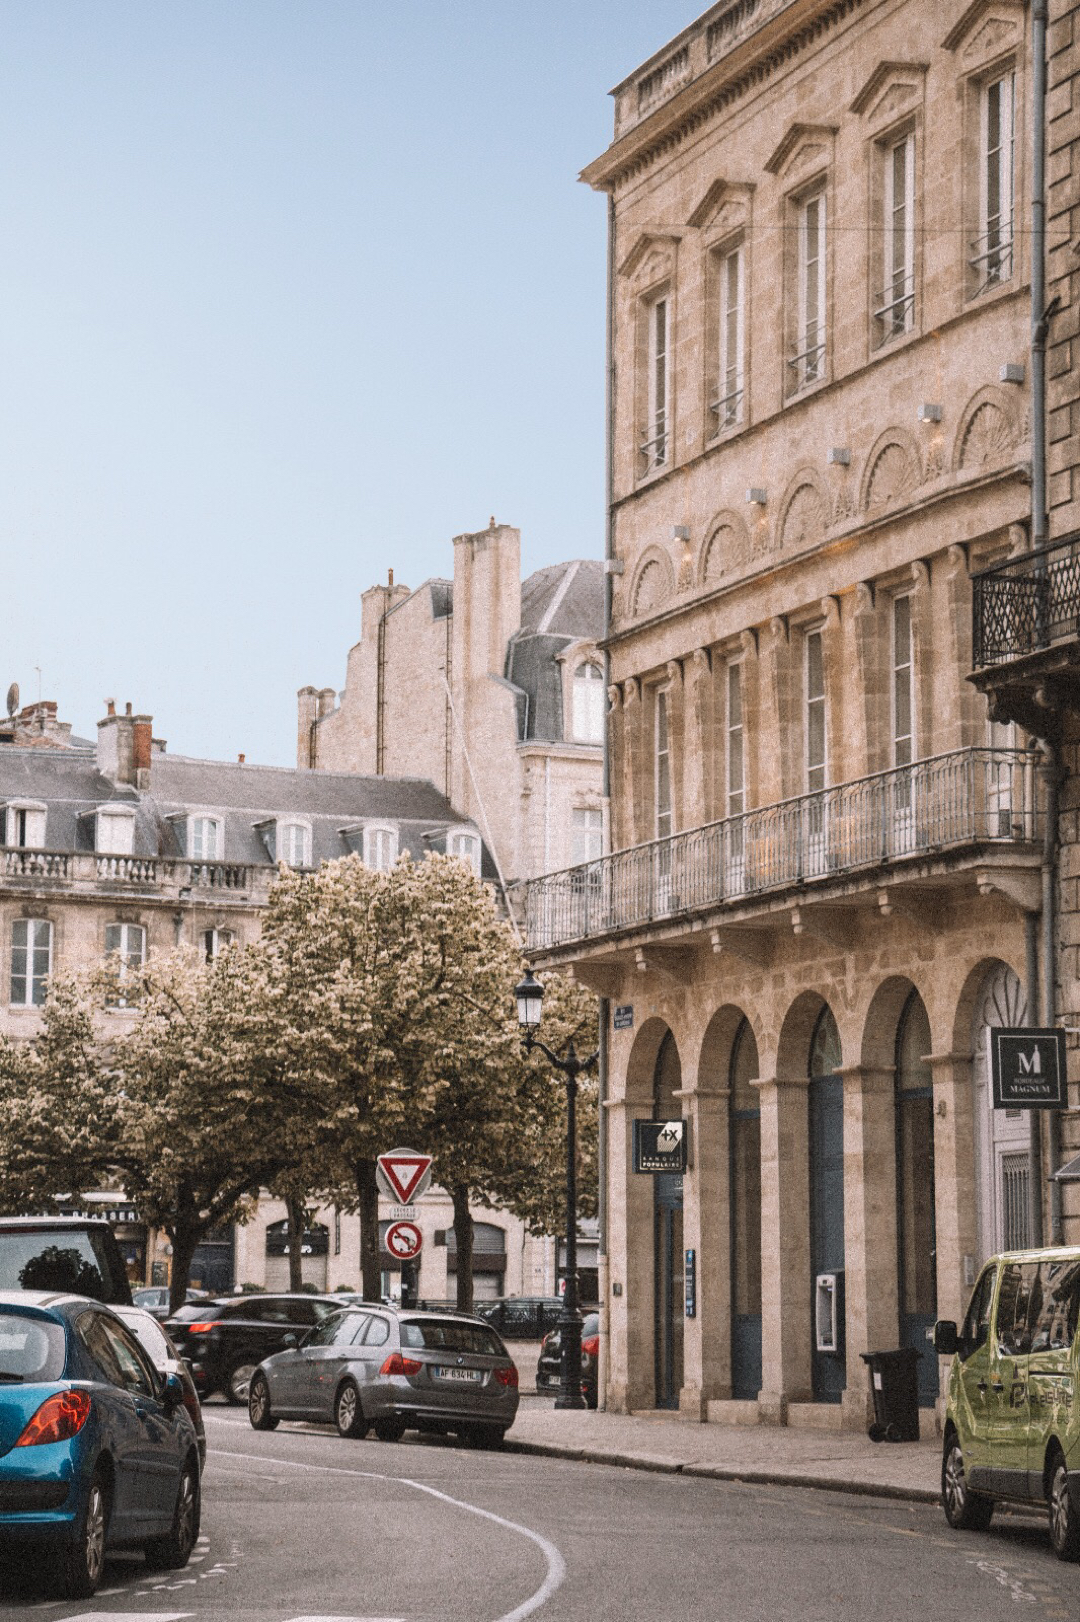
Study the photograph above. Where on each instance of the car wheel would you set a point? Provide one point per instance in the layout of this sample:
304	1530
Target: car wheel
173	1550
390	1429
1064	1521
349	1412
84	1557
238	1384
259	1405
967	1511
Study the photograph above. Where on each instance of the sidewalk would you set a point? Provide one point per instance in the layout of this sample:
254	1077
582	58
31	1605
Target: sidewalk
842	1461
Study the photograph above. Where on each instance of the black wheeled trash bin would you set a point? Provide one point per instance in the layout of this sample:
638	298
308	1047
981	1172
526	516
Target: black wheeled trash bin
894	1380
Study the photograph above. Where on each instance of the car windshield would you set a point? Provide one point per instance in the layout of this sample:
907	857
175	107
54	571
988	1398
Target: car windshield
32	1350
56	1259
196	1312
444	1335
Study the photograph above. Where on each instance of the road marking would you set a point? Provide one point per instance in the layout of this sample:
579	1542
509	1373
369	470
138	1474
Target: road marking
556	1565
129	1616
346	1619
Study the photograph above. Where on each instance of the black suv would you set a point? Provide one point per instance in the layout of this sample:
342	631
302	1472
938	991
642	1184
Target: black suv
76	1255
223	1341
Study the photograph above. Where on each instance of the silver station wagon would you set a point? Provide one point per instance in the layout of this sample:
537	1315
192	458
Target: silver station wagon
379	1368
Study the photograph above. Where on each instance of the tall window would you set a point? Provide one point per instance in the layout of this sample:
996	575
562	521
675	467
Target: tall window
808	362
587	837
662	769
896	306
655	443
380	848
915	1162
114	832
736	796
588	702
903	684
31	961
125	944
815	714
465	846
204	839
745	1186
25	826
294	844
729	405
992	259
214	941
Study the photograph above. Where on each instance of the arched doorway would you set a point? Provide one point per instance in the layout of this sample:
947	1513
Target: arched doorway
668	1238
1002	1169
915	1198
744	1183
826	1123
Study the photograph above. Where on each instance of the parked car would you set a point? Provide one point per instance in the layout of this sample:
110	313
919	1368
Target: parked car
521	1317
1012	1423
100	1452
155	1342
223	1340
64	1254
549	1364
154	1299
391	1370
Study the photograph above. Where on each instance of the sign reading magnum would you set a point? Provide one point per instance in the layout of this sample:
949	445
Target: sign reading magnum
1027	1067
660	1146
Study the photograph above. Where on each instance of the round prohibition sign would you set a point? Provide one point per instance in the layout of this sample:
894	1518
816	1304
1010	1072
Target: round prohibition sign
404	1240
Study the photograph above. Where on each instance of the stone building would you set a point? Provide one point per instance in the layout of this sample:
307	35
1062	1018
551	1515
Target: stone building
826	861
120	848
490	687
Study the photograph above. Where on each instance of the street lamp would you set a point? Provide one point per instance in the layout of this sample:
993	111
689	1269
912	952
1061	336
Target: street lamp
529	998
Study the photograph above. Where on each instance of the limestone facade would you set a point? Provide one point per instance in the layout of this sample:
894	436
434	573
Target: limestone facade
825	858
491	688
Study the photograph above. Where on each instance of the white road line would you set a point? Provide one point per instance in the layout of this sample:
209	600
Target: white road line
346	1619
129	1616
556	1565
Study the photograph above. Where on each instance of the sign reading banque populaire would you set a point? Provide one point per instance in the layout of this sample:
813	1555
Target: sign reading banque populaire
1027	1067
660	1146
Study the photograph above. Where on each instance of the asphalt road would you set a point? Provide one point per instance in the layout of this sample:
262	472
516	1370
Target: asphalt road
301	1526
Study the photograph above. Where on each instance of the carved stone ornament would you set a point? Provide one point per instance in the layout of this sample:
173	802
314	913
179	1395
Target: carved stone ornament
650	590
804	519
891	87
651	259
700	663
893	476
958	560
830	607
778	630
920	573
726	550
864	597
631	688
844	501
802	146
673	672
995	33
614	694
934	459
987	437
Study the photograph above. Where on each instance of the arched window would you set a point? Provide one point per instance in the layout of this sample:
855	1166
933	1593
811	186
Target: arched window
588	707
745	1197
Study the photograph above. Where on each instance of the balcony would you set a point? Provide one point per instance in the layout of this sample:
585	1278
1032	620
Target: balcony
1026	635
164	878
909	824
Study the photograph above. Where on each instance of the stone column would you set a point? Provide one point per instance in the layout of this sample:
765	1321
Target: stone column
956	1198
871	1283
785	1248
707	1336
631	1244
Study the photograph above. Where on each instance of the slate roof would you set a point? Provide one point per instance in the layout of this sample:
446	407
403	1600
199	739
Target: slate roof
561	604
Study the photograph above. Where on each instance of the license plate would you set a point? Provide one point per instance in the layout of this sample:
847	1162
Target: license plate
469	1375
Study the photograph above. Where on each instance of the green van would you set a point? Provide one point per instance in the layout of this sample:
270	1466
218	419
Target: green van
1012	1418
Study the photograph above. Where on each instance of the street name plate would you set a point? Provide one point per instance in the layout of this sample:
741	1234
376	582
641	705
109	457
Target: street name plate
623	1018
1028	1067
660	1146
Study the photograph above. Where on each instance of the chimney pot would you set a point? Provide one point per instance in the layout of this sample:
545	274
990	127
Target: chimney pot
127	709
239	760
110	706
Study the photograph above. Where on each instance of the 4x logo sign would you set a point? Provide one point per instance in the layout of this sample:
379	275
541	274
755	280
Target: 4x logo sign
403	1174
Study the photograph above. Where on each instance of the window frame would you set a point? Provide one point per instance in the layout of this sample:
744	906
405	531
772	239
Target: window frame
372	832
656	440
114	818
587	696
291	825
32	978
586	833
897	739
127	963
728	409
663	810
985	276
734	739
209	819
814	635
460	833
214	941
894	311
23	810
804	372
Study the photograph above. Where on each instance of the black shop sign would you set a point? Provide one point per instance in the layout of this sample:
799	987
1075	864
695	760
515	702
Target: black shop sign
660	1146
1027	1068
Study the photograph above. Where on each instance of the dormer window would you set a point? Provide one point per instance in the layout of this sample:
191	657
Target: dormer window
114	830
465	845
206	839
588	704
24	827
294	843
380	846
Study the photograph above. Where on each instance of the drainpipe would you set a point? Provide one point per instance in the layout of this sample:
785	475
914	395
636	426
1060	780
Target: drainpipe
1035	1194
603	1274
1049	896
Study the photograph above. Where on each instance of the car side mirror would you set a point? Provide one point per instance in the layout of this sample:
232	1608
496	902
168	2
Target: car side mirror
172	1395
290	1341
946	1338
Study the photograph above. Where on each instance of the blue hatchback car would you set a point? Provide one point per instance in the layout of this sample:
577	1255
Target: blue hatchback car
97	1450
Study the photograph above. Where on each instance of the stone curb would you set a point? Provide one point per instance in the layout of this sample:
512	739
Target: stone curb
719	1472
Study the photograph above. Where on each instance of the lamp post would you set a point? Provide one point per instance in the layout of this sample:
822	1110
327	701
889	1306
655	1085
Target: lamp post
529	998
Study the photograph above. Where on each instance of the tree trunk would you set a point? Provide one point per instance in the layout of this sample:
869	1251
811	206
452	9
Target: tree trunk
295	1207
185	1237
367	1192
463	1234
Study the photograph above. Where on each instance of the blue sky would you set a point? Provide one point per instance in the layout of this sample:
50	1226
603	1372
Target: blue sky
291	292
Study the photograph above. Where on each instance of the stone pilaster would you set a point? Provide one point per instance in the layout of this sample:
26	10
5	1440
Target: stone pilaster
954	1175
871	1285
706	1204
785	1248
631	1267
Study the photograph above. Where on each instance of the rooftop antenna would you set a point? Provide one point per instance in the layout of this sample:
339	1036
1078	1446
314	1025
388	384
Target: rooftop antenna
12	700
38	669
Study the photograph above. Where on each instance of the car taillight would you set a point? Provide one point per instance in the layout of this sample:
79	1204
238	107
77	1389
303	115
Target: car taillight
508	1377
200	1329
58	1419
191	1403
591	1345
396	1364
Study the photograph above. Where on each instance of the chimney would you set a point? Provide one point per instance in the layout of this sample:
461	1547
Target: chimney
124	746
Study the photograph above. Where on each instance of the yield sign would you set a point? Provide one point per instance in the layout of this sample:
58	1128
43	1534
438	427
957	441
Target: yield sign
404	1241
404	1174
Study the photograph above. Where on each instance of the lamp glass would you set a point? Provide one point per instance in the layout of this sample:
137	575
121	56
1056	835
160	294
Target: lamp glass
528	995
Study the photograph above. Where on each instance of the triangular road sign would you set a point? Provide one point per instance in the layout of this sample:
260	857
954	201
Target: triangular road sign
404	1174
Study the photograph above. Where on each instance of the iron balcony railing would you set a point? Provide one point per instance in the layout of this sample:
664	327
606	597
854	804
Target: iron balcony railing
972	796
1027	603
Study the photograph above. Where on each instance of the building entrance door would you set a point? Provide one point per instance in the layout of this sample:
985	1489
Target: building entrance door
1001	1136
915	1195
668	1296
745	1216
826	1106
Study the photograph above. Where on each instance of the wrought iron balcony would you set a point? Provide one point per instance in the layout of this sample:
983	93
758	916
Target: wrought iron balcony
972	797
1027	604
